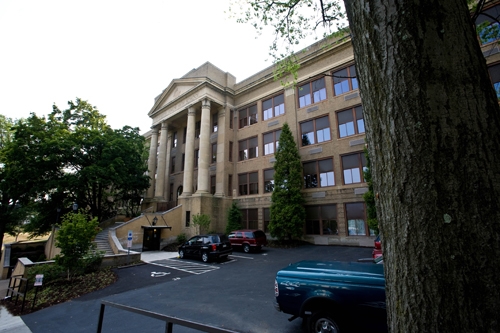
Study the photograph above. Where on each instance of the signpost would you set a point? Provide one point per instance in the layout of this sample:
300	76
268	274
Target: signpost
129	243
38	283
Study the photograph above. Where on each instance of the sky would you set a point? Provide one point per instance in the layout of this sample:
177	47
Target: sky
116	54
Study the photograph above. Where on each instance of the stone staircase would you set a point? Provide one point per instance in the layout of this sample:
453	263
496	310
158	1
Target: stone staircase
101	240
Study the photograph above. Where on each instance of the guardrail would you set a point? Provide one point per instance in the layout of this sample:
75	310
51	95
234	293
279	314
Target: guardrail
169	320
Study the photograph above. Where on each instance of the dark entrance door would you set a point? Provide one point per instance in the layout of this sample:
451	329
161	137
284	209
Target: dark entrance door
151	239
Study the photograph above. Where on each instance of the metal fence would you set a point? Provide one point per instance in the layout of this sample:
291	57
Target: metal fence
169	321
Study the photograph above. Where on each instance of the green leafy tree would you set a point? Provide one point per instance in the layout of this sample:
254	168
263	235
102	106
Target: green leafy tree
203	221
369	197
433	131
287	207
234	218
14	201
75	239
74	156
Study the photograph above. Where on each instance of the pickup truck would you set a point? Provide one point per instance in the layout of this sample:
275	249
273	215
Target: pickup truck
333	296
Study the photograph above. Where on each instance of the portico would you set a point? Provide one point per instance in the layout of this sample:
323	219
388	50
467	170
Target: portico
188	144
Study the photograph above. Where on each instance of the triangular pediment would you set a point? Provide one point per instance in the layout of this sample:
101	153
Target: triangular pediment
180	88
175	90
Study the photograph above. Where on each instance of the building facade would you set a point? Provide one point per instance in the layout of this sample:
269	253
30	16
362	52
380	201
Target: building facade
213	141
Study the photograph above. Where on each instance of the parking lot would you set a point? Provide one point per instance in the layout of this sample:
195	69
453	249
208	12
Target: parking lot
236	294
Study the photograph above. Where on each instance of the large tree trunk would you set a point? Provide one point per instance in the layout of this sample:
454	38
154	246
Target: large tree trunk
433	133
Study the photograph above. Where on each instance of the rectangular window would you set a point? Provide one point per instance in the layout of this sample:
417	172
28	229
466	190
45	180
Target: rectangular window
196	157
321	220
312	92
271	141
267	218
230	151
248	149
495	78
315	131
487	25
345	80
356	220
273	107
231	115
188	218
230	185
352	167
214	122
174	140
197	129
172	165
214	153
183	161
171	192
247	116
212	184
248	183
268	180
323	168
347	124
250	218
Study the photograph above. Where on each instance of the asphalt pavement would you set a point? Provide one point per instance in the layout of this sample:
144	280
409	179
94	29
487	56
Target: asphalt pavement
236	294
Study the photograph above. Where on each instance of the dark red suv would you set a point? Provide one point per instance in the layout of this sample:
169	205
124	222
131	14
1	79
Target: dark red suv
248	239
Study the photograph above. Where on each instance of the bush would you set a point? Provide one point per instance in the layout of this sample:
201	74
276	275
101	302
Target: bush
51	272
181	238
75	241
234	218
202	220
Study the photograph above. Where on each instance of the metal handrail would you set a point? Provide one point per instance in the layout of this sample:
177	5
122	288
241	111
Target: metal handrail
169	320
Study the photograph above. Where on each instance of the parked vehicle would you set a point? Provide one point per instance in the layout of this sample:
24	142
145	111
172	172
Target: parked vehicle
206	247
333	296
248	239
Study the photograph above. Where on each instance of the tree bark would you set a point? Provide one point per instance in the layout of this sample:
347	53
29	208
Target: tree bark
433	134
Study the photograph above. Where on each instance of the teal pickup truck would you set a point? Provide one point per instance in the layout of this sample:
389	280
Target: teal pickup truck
333	296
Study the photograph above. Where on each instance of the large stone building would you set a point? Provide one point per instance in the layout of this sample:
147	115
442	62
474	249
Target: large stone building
213	141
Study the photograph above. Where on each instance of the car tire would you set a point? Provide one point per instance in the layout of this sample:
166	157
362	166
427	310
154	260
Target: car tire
204	256
246	248
181	254
321	322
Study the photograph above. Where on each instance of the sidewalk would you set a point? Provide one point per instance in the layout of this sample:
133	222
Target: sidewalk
10	323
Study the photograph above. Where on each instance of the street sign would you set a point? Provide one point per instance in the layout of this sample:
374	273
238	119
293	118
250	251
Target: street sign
130	234
129	243
38	280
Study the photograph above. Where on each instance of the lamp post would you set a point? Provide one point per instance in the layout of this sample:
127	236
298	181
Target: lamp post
75	207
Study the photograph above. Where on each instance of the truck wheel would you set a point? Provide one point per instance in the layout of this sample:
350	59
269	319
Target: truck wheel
204	257
246	248
322	322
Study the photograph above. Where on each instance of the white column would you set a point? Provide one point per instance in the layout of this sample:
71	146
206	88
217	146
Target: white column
153	147
189	158
220	176
205	151
160	175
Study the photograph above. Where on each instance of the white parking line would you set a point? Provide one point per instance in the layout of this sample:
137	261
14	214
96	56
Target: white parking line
185	266
232	255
